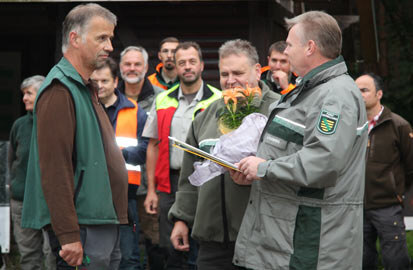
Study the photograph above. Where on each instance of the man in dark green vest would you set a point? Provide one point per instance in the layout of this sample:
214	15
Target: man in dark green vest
78	180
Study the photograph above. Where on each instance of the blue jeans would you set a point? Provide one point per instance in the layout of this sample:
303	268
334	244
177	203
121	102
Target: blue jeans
129	240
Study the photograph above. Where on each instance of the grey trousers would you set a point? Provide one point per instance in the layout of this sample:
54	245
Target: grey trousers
388	225
33	244
100	246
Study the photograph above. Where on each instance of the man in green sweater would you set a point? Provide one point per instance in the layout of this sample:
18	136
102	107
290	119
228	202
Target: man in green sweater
214	210
29	241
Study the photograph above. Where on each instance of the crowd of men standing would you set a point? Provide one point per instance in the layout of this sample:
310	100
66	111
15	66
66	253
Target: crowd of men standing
92	169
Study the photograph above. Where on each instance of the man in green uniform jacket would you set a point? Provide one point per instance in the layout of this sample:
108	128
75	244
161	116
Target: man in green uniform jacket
306	203
214	211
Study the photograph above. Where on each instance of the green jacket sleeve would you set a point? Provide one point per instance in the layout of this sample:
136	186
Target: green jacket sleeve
187	195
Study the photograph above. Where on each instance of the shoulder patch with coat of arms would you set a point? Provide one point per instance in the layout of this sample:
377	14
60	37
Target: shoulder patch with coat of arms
327	122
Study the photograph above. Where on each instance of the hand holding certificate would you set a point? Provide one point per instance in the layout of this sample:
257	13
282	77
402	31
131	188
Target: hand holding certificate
196	151
228	150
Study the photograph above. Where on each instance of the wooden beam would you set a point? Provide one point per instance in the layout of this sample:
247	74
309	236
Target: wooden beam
367	35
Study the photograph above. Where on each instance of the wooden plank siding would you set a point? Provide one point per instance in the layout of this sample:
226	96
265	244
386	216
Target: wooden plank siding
33	30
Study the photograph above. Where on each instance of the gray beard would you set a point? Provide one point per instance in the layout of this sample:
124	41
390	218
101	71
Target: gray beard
133	80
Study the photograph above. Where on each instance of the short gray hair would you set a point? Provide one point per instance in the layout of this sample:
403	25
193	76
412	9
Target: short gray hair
138	49
239	47
320	27
35	81
79	17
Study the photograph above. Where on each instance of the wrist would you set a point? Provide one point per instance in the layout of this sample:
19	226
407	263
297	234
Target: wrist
176	220
151	190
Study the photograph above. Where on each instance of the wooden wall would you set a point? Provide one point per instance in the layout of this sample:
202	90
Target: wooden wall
32	31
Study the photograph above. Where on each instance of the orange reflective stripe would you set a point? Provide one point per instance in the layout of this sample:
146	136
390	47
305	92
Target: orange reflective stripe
134	178
127	126
264	69
288	89
158	67
154	81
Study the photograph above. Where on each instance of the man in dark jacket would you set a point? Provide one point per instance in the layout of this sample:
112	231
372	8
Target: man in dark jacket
165	75
277	75
128	120
389	170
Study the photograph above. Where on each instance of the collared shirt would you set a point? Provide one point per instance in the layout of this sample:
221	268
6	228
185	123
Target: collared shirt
373	122
181	121
168	81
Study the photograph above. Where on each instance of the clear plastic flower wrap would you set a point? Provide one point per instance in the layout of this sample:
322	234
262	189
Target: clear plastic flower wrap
232	147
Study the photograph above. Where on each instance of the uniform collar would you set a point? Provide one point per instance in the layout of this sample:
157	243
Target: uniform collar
69	71
198	96
324	71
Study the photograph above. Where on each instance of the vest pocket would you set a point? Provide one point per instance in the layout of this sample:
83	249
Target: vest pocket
277	224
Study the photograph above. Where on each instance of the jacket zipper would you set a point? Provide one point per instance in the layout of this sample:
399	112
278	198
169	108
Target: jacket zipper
370	139
370	142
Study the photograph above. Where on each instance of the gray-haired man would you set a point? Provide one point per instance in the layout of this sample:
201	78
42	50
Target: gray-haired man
133	67
78	179
306	204
29	241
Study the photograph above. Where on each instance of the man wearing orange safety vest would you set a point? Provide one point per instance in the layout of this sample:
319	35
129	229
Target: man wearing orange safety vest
165	75
128	120
277	75
171	115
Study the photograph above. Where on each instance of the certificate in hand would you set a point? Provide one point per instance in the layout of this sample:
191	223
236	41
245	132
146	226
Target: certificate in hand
196	151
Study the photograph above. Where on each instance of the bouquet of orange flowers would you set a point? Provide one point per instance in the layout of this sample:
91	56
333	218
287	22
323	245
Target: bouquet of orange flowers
239	103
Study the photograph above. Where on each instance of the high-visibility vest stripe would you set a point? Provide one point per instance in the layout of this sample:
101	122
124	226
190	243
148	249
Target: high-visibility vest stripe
126	142
126	135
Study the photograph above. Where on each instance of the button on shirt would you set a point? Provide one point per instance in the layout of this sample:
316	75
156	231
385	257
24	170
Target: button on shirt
181	121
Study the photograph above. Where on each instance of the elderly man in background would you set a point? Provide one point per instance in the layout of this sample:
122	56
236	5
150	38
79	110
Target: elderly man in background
133	67
29	241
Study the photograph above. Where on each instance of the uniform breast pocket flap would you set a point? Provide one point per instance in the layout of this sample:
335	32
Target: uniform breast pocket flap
275	141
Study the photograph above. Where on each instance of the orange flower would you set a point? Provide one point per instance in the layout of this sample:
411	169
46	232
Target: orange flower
251	91
233	95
